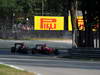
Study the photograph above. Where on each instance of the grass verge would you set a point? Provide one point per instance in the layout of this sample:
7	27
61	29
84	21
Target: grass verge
6	70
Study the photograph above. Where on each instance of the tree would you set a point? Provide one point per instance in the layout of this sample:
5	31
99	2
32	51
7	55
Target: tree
24	8
7	9
73	11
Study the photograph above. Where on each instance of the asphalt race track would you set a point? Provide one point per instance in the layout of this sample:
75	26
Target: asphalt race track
50	65
47	64
32	43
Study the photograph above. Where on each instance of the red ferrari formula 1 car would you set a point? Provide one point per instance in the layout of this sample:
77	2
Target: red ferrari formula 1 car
44	49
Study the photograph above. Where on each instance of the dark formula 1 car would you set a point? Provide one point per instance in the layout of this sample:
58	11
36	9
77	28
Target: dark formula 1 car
44	49
19	48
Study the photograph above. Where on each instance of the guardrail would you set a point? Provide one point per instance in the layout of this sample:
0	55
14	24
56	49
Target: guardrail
84	52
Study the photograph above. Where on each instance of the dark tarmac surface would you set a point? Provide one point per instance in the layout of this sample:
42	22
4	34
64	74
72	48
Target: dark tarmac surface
50	64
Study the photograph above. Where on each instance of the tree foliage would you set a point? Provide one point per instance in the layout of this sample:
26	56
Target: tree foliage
28	8
7	7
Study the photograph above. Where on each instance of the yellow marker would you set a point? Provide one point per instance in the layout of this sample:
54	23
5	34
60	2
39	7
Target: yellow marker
69	23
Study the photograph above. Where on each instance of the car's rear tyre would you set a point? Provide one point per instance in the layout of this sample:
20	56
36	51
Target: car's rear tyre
13	49
34	51
56	51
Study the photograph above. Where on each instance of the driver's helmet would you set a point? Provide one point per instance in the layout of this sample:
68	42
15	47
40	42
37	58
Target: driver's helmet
45	45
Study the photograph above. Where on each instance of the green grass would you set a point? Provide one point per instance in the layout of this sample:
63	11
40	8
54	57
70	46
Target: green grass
6	70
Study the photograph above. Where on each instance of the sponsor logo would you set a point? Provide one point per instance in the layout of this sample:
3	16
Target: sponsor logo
46	23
